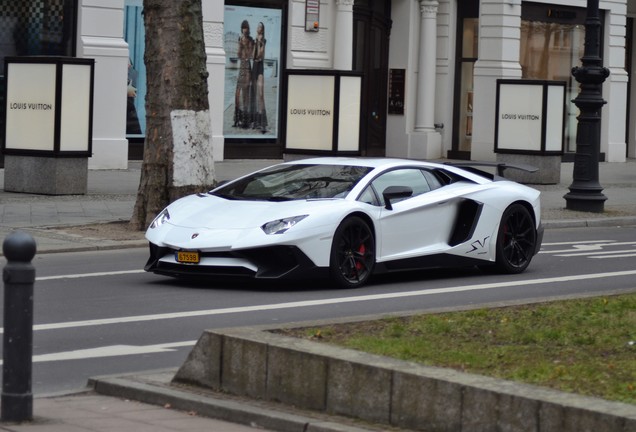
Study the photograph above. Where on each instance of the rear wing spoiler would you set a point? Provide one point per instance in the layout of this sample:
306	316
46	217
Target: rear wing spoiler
500	166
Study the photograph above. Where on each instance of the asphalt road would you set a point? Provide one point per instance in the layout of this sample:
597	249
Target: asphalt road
98	313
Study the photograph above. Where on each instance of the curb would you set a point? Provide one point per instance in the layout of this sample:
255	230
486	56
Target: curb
590	223
154	388
94	248
89	248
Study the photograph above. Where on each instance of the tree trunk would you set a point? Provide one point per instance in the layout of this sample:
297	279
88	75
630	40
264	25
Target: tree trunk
178	147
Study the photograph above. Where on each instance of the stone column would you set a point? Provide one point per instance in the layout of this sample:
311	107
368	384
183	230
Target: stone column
100	36
343	37
213	31
425	142
426	66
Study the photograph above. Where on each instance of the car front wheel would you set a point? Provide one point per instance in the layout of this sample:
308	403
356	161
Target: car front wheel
516	240
352	253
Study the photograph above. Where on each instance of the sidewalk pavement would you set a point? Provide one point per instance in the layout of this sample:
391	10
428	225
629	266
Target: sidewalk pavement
111	197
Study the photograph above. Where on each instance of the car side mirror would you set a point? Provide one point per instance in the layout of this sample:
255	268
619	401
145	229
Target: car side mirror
395	192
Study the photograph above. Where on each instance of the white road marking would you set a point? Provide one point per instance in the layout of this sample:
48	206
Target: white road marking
629	255
576	242
592	254
110	351
330	301
592	249
83	275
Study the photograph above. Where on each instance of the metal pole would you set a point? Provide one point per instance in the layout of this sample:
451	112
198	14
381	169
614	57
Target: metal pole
586	191
19	277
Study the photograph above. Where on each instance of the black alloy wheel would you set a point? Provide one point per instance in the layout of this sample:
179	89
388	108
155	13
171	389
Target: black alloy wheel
352	253
516	240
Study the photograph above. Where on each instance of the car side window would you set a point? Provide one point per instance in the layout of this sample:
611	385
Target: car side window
433	181
420	181
369	197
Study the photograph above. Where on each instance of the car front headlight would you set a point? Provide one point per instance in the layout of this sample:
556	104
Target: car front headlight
161	218
280	226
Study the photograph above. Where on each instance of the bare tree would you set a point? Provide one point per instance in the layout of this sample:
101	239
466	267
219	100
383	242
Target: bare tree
178	148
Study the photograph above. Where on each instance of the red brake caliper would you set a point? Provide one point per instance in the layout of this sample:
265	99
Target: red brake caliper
361	251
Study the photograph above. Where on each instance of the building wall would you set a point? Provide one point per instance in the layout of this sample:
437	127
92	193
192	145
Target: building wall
404	53
499	47
615	89
100	37
446	42
499	58
631	140
213	33
310	50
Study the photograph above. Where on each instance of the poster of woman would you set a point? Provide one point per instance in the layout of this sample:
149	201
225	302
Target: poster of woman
252	39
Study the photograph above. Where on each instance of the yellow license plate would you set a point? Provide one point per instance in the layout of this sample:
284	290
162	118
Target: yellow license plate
188	257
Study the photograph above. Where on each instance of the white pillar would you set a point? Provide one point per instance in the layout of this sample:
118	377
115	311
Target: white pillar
213	31
426	66
615	88
100	32
499	46
343	37
425	142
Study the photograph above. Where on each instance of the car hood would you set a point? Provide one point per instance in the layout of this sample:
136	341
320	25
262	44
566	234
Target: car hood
209	211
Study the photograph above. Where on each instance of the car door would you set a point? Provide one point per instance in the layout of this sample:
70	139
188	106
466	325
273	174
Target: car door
415	225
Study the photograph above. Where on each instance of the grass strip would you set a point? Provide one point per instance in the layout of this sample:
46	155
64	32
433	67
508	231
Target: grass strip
585	346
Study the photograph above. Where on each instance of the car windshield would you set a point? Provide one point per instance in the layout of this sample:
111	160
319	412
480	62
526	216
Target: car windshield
294	182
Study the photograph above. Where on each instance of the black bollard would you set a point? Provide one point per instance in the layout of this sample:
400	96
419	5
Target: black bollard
19	276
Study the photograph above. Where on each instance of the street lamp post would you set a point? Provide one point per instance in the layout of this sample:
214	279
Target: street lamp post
585	191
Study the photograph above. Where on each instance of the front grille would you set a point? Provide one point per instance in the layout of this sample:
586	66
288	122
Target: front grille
271	262
194	269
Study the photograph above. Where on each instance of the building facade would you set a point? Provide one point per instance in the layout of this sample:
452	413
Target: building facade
428	72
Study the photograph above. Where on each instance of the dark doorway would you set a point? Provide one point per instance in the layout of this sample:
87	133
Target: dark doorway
467	54
371	30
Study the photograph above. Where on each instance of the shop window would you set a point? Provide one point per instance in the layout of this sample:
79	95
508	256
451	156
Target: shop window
552	43
253	41
35	27
467	55
134	35
470	37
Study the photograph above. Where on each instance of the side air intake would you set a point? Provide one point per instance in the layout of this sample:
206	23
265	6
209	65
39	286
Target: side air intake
466	221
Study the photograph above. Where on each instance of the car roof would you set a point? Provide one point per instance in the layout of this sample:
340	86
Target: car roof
361	161
388	163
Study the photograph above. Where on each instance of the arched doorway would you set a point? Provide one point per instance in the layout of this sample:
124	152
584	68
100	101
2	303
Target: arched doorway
372	26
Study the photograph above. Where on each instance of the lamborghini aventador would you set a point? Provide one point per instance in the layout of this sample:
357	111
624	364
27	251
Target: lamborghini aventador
347	219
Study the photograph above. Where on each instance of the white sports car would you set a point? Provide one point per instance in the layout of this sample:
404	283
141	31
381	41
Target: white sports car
348	218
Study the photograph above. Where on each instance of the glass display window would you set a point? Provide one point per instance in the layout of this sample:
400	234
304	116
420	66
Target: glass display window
470	38
552	43
35	28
